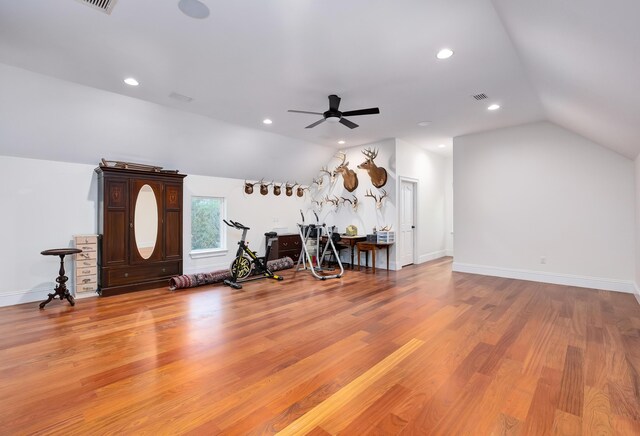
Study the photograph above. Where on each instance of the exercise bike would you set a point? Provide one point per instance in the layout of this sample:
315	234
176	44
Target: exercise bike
247	266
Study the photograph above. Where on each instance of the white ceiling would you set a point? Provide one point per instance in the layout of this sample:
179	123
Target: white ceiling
254	59
583	58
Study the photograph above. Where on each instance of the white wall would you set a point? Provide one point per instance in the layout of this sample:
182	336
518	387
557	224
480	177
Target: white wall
429	169
448	199
46	118
537	190
637	275
44	204
367	215
262	213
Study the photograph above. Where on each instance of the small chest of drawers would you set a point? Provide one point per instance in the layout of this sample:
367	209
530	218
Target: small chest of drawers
86	265
287	245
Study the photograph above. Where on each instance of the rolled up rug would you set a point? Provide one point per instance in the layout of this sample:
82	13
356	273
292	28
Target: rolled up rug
193	280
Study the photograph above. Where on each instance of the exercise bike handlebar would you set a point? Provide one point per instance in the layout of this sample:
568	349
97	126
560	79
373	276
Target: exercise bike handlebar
235	225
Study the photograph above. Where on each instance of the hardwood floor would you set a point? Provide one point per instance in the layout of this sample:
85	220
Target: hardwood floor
421	351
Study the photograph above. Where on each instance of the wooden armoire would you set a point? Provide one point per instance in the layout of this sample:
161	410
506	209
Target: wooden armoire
140	220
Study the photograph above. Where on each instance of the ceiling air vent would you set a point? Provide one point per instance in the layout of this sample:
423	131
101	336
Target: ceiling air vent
180	97
105	6
481	96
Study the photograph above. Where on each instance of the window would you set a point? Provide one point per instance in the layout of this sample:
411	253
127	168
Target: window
207	228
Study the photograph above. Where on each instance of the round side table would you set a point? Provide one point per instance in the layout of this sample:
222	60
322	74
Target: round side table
61	290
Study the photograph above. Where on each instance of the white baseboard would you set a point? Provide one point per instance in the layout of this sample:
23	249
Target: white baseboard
626	286
637	292
31	295
24	296
431	256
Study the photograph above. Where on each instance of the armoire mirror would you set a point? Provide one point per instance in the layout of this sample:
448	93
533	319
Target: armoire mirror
146	221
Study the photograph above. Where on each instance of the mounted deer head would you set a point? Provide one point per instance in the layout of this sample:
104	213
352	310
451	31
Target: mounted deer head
248	187
375	197
349	177
300	190
377	174
264	187
288	188
277	189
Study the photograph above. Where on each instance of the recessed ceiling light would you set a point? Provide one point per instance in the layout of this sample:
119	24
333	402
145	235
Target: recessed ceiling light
441	146
131	81
494	107
424	123
194	8
267	121
341	142
445	53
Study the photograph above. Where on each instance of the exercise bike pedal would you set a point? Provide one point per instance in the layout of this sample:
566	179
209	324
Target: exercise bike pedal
234	285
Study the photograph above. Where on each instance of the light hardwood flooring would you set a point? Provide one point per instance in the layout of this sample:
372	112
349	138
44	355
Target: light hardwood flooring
420	351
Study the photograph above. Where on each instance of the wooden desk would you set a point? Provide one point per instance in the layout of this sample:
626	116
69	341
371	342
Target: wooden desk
371	247
351	241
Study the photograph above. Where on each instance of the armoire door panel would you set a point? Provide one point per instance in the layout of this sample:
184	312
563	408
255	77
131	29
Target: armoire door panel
173	236
115	240
173	197
117	194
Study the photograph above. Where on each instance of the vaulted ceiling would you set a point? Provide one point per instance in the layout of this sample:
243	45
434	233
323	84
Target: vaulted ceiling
573	62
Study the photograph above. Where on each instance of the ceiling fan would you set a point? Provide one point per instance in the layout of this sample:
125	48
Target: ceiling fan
333	115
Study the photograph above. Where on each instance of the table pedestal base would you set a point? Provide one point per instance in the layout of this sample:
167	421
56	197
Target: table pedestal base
61	290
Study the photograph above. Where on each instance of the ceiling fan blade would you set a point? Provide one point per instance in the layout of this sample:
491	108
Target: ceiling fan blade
370	111
305	112
334	102
315	124
348	123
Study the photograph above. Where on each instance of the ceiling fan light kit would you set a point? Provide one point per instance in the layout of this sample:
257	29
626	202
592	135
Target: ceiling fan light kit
194	9
333	115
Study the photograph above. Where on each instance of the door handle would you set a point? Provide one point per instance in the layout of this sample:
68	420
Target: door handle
413	227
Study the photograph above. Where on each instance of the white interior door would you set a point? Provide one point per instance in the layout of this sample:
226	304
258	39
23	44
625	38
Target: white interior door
407	222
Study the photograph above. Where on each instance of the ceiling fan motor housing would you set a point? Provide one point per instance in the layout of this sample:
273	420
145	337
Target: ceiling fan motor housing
332	116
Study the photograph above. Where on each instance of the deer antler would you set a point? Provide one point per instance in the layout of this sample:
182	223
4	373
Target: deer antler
378	200
325	170
331	200
343	157
370	154
344	200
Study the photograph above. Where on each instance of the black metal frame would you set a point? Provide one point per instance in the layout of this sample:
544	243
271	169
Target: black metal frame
258	264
